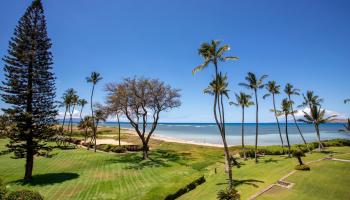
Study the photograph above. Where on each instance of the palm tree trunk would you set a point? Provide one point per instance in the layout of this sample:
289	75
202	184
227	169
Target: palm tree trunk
278	123
287	136
64	118
296	124
92	114
256	125
118	129
71	125
81	111
320	146
244	154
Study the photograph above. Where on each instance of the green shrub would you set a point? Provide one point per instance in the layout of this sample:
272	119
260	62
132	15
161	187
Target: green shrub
228	194
3	190
24	195
105	147
118	149
302	167
134	147
186	189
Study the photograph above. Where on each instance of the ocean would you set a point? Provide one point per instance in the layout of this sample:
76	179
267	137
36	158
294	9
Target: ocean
268	132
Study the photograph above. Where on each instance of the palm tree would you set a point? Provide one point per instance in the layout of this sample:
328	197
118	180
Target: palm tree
286	107
254	83
214	53
75	101
82	103
218	88
317	117
65	103
244	101
290	90
310	99
94	78
101	114
274	89
85	124
347	127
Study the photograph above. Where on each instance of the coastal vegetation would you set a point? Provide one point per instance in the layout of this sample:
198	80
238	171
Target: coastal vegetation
213	53
244	101
273	90
255	83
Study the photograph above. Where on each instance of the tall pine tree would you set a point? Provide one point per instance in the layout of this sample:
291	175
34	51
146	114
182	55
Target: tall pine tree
29	87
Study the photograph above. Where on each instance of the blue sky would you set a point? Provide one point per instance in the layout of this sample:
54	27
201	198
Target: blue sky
305	43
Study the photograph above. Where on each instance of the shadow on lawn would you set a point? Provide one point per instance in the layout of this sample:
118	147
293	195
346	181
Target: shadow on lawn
271	160
49	179
157	158
251	182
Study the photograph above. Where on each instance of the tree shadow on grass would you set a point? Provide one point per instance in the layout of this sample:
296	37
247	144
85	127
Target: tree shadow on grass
157	158
271	160
49	179
251	182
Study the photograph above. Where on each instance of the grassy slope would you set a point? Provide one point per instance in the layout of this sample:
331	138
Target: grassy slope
80	174
326	180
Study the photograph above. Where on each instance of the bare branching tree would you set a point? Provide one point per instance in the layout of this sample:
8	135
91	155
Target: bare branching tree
141	101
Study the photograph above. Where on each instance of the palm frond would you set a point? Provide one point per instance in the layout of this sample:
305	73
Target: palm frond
266	95
245	85
200	67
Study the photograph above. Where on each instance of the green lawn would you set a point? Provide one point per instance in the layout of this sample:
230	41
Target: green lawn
82	174
326	180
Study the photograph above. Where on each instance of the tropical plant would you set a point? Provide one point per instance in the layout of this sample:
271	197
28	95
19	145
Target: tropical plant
74	102
81	103
255	83
317	117
243	100
290	90
298	154
228	194
213	53
94	78
29	88
85	124
101	114
274	89
286	110
346	127
66	102
310	99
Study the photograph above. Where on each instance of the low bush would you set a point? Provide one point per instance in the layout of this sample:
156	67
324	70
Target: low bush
186	189
228	194
3	190
302	167
118	149
105	147
134	147
277	150
24	195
